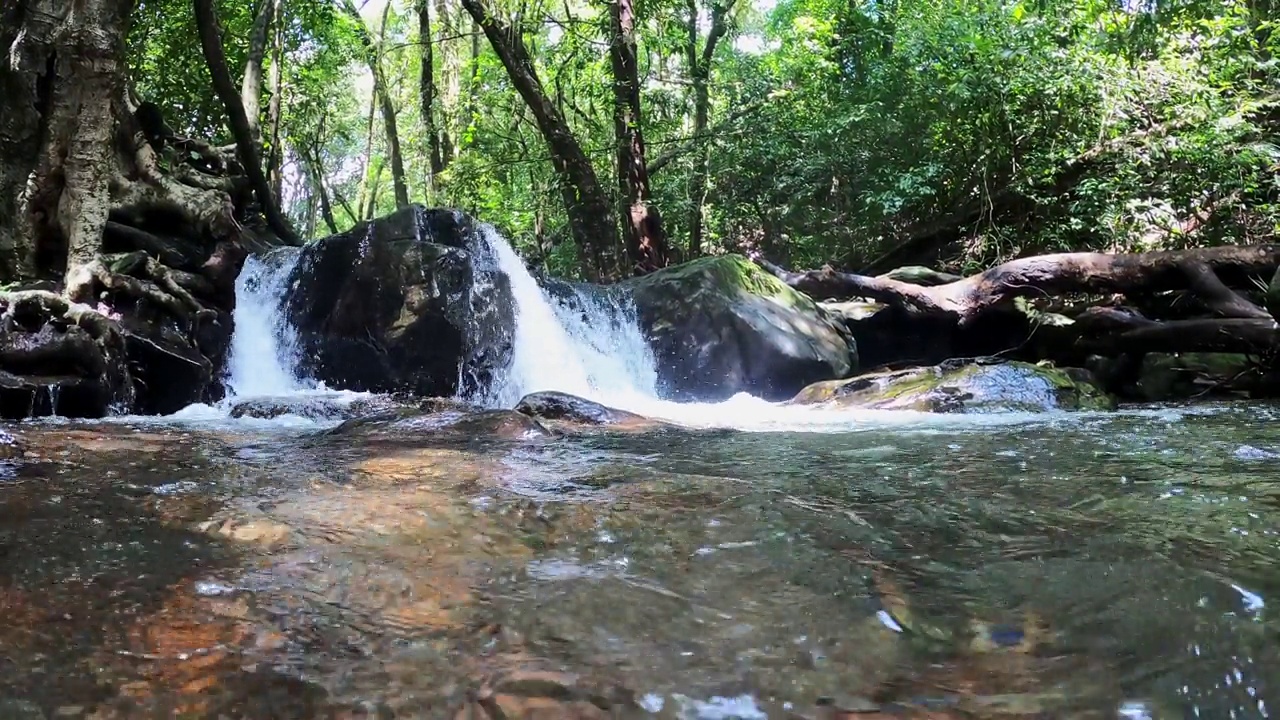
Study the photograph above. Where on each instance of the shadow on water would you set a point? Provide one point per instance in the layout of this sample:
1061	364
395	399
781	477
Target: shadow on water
1103	567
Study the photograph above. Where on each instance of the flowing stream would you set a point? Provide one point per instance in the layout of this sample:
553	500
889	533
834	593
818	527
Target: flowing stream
441	565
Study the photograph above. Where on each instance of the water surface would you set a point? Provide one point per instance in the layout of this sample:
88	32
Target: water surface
1080	567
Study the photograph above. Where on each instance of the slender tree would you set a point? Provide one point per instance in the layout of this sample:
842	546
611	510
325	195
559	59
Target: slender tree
643	236
211	44
584	199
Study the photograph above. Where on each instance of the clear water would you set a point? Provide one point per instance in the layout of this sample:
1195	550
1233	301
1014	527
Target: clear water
1089	567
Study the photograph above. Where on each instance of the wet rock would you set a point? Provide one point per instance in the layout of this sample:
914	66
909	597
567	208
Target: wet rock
959	387
499	424
153	340
413	425
722	325
398	304
563	409
336	407
59	359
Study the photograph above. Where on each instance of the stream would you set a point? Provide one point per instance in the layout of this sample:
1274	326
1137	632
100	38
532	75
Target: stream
753	562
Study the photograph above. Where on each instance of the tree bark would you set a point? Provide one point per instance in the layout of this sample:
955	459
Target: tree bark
643	235
427	96
251	84
383	96
700	71
1207	273
211	44
62	77
585	203
275	112
317	178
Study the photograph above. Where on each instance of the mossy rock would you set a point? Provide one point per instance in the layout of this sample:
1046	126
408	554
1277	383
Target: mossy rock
978	387
723	325
1176	376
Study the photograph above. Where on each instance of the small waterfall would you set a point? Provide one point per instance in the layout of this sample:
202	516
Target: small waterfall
264	354
587	343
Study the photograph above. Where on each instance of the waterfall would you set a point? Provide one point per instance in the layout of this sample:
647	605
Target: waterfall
264	354
584	343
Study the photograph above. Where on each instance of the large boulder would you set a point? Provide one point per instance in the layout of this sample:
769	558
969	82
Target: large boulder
723	325
964	387
405	303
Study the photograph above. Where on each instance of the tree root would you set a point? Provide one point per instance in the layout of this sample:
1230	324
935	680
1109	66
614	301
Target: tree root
1200	271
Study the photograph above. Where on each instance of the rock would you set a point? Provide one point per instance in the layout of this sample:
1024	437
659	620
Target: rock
400	304
316	407
1177	376
561	409
958	387
408	425
722	325
52	365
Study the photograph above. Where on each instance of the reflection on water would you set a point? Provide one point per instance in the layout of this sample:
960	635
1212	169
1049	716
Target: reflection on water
1097	567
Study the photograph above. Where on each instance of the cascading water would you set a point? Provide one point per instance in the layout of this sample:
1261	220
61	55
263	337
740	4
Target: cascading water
263	358
588	344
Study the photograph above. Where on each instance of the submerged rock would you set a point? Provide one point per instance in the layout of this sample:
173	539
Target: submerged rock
407	425
398	304
958	387
559	409
315	407
722	325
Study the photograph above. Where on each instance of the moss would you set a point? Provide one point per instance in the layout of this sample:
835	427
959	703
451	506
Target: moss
1010	386
729	273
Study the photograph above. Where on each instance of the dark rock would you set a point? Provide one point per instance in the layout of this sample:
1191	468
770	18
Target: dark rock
171	370
399	304
958	387
557	408
315	407
891	336
407	426
722	325
52	365
1179	376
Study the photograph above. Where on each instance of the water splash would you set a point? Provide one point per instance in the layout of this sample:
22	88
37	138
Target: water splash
584	343
264	352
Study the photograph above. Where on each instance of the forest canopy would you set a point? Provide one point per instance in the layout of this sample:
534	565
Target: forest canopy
865	134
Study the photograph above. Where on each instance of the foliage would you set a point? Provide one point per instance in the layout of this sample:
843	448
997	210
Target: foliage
843	131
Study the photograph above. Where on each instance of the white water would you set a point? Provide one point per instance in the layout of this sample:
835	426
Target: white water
594	351
264	353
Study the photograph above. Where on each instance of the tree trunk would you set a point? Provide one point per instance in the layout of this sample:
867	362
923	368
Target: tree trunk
251	84
366	171
1202	271
275	111
317	178
700	72
585	202
89	184
643	235
427	93
62	77
383	96
211	44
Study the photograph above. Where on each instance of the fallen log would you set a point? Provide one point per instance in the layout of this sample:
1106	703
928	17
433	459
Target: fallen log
1207	273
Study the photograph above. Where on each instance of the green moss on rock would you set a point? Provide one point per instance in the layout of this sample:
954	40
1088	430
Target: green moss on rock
723	325
964	388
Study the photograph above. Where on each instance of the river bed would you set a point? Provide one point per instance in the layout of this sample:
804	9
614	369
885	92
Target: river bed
1090	566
